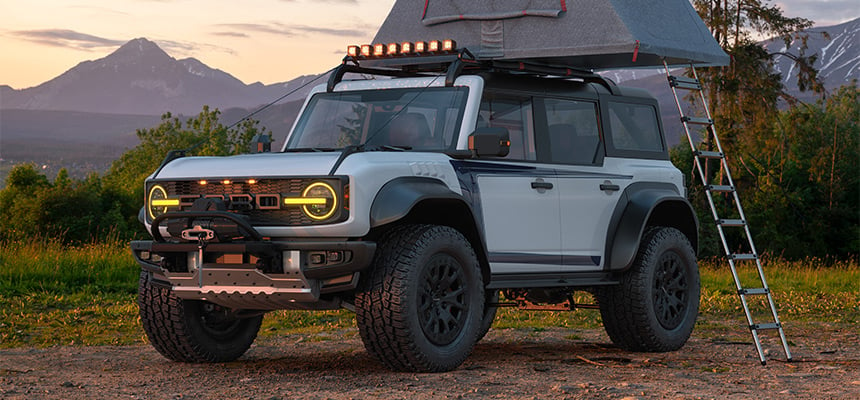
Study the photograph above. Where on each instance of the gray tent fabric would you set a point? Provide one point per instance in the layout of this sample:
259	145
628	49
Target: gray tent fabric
589	34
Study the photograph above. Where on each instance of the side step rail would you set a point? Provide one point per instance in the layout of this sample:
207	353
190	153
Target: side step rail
725	187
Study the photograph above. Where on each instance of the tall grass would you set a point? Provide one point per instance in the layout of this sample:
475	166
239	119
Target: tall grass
46	265
85	295
811	289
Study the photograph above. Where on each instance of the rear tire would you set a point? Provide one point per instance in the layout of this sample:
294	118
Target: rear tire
420	306
655	307
191	330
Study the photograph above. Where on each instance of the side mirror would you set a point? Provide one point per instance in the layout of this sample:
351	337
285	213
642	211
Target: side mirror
261	143
490	142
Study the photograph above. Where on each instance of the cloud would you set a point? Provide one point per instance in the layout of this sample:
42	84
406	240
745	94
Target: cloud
292	30
173	47
231	34
66	38
822	12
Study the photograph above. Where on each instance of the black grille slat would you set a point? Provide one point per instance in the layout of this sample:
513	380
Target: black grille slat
292	216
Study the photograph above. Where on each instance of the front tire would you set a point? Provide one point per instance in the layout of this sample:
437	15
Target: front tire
420	307
655	307
191	330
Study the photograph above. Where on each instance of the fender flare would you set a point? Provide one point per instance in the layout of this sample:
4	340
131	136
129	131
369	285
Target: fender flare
637	207
397	198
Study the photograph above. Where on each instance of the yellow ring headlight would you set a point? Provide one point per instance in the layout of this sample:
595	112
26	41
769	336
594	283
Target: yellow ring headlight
156	199
320	201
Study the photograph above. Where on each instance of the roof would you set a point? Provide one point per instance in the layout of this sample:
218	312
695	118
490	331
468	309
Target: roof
591	34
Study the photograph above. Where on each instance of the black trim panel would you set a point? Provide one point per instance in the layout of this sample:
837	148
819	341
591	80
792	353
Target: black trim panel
544	259
397	197
551	279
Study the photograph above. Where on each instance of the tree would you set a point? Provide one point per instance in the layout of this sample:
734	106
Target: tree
767	135
203	135
71	211
75	211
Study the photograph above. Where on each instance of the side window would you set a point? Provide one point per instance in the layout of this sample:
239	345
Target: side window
512	113
574	137
634	127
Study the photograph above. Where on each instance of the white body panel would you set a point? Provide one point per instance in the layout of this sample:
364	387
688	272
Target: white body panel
520	223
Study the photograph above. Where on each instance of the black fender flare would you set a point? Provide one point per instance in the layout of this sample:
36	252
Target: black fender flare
398	196
642	204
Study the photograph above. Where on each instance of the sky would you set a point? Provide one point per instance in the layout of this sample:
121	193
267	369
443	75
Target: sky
264	41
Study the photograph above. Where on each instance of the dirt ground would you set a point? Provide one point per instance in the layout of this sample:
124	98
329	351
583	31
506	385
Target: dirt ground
508	363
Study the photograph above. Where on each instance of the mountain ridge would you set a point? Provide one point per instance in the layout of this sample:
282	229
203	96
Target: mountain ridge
139	78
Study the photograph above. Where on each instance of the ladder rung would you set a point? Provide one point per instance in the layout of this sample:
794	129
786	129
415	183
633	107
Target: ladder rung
759	327
721	188
731	222
697	120
708	154
682	82
753	291
744	256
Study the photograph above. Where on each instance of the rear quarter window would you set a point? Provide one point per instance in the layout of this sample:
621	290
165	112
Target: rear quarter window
635	131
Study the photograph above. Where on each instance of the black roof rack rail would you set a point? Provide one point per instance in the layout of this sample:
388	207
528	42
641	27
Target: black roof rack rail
453	64
554	70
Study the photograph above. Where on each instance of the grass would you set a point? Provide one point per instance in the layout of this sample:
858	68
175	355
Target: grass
55	295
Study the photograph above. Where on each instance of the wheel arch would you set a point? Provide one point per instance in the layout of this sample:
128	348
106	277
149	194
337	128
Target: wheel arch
421	200
643	205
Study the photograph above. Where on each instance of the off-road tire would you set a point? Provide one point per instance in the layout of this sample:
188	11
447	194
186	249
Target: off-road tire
490	297
656	305
191	330
419	307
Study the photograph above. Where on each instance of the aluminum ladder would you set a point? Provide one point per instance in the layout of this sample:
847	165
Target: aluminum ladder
725	187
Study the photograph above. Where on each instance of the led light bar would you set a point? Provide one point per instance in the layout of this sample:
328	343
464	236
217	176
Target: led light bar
380	50
303	201
165	202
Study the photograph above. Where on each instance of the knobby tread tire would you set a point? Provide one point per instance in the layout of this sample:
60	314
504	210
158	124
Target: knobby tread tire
627	309
491	296
173	327
385	303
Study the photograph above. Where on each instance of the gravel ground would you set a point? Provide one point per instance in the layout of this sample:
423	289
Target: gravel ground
509	363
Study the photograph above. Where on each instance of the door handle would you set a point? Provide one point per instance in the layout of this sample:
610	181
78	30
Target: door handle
609	187
541	185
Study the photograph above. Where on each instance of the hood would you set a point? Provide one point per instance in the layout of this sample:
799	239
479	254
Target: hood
250	165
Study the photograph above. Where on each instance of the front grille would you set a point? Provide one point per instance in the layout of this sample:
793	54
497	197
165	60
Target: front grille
260	201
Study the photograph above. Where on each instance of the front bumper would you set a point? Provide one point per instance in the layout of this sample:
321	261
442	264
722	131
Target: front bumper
258	274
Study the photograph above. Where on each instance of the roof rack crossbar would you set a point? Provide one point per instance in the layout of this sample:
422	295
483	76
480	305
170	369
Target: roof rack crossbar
564	72
337	76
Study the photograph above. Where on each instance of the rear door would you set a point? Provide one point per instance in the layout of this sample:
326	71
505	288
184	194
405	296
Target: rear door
588	188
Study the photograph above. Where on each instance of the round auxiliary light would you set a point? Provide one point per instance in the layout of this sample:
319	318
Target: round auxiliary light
156	201
322	209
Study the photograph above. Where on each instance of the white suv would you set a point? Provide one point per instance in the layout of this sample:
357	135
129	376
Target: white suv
413	196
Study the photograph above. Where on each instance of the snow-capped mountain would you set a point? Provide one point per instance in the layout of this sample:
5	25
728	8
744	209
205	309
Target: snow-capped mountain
140	78
838	58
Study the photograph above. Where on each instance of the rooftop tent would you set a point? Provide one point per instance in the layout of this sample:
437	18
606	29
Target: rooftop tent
591	34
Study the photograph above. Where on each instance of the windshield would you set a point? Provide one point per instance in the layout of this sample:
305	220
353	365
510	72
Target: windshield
413	118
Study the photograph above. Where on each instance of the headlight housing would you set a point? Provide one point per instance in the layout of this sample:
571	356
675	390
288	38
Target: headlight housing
322	201
158	202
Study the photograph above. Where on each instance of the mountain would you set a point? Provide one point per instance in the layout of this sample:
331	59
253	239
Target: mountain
838	63
838	58
140	78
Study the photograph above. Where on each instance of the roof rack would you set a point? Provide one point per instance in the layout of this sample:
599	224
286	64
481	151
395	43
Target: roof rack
453	65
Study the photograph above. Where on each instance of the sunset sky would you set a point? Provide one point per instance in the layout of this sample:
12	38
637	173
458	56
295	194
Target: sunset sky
258	40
